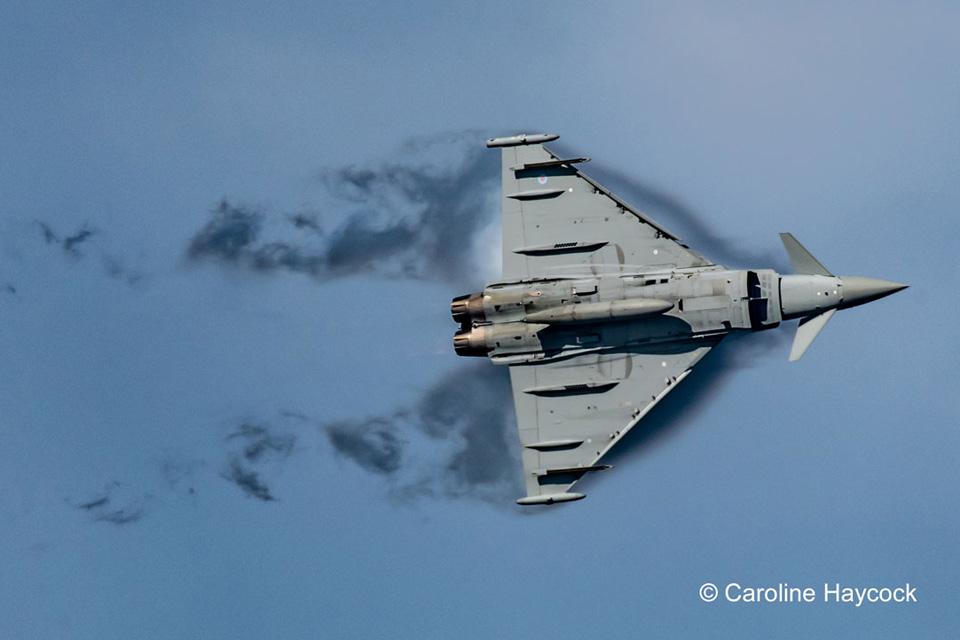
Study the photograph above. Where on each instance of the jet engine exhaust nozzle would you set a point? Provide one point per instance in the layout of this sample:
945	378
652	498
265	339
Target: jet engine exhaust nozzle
472	342
468	309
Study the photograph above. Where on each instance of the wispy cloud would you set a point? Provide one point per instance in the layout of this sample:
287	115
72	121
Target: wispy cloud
49	235
375	443
74	244
179	471
457	440
253	445
247	479
415	216
115	504
74	240
70	243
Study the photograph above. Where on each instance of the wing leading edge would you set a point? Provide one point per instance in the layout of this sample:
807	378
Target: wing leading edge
559	221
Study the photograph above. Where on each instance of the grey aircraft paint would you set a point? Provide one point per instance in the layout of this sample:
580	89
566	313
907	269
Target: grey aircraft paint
601	312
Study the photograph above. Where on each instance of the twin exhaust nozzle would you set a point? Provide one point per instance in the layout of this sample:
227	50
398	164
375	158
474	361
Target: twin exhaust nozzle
467	309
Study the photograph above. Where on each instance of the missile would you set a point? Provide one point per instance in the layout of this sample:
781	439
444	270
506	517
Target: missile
550	498
523	138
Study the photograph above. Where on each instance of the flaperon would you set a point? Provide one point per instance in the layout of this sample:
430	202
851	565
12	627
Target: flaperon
601	312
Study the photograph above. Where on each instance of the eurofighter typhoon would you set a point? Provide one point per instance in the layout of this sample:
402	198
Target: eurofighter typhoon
601	312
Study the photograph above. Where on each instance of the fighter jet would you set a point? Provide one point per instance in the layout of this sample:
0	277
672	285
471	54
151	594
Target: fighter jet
601	312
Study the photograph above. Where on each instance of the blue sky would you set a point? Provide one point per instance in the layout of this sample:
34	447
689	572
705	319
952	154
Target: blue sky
148	397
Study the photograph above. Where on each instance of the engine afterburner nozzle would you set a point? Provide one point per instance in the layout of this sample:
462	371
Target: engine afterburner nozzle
471	342
468	309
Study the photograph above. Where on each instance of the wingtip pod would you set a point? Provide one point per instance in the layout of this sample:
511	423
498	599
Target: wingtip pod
550	498
523	138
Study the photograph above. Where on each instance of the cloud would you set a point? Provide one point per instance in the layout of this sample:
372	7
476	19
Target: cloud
306	221
254	445
474	402
457	440
178	471
69	243
94	503
125	514
374	444
112	265
259	442
228	235
254	452
115	504
247	479
49	235
417	216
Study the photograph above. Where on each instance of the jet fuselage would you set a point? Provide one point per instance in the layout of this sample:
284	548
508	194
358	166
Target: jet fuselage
552	318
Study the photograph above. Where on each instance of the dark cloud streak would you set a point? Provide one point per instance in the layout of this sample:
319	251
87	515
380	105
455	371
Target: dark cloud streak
49	235
417	217
71	242
228	235
115	506
94	504
306	221
374	444
258	444
466	444
247	479
120	516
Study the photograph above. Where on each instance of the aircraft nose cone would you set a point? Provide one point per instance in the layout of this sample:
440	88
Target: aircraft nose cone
857	290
